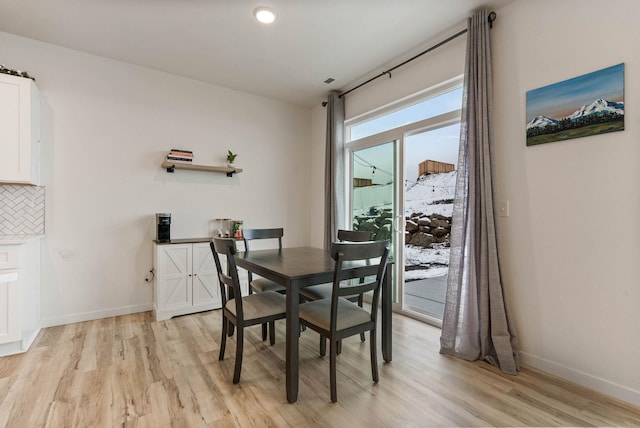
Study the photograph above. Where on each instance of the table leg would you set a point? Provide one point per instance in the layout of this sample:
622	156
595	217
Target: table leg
386	316
293	333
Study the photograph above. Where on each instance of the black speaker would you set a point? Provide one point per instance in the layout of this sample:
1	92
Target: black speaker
163	223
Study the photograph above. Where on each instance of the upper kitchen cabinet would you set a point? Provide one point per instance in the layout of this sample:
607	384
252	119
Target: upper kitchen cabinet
20	130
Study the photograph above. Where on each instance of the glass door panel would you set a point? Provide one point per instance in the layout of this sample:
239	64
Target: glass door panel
373	194
430	176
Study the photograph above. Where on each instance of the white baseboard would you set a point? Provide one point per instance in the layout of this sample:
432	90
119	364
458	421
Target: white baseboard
19	346
90	316
29	337
603	386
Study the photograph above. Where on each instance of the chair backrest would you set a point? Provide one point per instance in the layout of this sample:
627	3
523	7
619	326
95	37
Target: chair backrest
354	235
228	278
350	254
251	234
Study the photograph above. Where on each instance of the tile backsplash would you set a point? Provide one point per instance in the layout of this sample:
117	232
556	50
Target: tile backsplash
21	210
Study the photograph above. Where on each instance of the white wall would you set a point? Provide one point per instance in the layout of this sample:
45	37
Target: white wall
571	245
107	127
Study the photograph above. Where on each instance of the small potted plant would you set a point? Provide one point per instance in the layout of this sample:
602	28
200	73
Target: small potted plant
231	157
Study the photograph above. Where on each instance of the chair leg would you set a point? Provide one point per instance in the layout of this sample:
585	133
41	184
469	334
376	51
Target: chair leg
360	303
272	333
264	332
323	346
374	356
332	369
239	345
339	347
223	340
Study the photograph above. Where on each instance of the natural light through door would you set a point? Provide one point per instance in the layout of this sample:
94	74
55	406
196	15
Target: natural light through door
373	192
402	164
430	171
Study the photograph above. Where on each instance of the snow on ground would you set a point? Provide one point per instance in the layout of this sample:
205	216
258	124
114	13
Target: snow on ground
415	275
415	256
434	260
421	195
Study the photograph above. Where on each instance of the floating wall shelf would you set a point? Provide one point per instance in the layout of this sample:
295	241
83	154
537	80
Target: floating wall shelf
172	166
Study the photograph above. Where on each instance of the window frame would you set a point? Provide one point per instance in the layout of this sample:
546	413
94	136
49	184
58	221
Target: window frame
402	103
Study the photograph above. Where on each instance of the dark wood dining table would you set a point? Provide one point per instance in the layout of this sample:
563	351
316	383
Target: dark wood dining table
300	267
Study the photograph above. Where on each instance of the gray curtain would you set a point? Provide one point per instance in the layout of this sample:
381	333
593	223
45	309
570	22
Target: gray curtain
476	322
334	201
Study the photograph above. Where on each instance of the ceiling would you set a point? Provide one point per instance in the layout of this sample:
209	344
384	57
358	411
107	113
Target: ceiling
220	42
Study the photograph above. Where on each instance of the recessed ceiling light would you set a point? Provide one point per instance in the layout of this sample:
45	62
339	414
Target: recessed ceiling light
265	15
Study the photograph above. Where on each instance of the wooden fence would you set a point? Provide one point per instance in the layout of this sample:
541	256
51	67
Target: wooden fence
434	167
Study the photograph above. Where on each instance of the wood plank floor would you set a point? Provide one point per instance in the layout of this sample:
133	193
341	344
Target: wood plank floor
132	371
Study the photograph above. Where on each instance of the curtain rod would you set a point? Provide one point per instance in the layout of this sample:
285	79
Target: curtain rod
492	17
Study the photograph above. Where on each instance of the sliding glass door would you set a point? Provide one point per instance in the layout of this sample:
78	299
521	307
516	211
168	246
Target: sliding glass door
402	173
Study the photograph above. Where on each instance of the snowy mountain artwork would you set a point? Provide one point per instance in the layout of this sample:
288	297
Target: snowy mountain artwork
586	105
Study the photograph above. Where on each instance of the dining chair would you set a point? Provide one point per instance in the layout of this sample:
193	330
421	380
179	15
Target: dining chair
323	291
260	284
253	309
336	318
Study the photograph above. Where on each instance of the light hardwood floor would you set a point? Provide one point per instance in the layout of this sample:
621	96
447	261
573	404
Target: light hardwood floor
132	371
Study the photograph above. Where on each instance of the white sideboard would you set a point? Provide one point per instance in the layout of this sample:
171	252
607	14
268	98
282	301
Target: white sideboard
185	279
19	295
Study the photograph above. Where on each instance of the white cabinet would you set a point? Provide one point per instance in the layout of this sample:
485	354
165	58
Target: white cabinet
9	305
19	296
186	280
20	130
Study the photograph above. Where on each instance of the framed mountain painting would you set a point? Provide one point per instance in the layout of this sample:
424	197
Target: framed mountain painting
586	105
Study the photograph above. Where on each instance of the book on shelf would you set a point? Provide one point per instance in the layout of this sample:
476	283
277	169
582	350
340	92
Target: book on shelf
177	152
179	159
180	153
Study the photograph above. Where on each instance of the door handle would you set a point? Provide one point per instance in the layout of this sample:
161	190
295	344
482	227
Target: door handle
396	223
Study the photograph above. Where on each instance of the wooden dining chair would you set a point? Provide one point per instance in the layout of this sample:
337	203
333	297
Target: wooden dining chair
336	318
260	284
254	309
323	291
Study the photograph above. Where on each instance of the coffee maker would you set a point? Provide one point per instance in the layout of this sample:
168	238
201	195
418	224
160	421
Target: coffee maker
163	223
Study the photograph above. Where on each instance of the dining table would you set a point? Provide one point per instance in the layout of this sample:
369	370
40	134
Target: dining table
300	267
